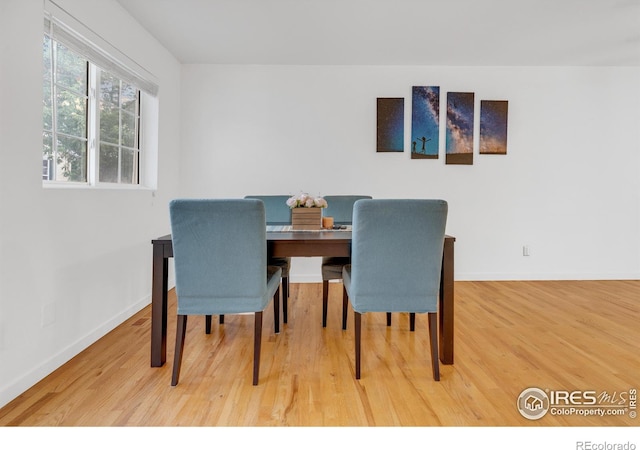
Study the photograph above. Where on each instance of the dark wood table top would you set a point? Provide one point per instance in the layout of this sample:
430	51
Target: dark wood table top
326	235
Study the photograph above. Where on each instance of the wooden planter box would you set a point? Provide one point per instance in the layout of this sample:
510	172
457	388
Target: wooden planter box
306	218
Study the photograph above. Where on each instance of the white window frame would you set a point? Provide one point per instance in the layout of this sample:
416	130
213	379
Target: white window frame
94	132
60	26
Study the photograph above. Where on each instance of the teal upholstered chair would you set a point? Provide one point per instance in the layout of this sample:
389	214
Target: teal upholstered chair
278	213
220	258
396	258
340	207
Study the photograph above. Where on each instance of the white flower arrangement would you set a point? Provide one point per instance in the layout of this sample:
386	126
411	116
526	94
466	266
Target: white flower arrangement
306	201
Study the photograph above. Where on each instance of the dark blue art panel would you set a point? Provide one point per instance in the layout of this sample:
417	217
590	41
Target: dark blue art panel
425	122
493	127
390	136
459	145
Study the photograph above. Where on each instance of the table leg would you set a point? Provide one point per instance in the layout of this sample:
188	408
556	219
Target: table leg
159	302
446	304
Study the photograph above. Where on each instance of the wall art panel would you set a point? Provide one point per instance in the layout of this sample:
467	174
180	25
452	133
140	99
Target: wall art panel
493	127
459	133
390	137
425	122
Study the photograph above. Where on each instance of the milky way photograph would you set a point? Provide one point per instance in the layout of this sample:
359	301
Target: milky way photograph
390	136
493	127
459	135
425	122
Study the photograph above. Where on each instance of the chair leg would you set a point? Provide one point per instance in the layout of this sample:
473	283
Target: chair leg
388	319
257	341
357	326
276	311
433	335
207	322
325	301
285	297
181	329
412	321
345	307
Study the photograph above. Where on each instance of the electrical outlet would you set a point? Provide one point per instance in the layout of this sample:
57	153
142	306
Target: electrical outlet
525	250
48	314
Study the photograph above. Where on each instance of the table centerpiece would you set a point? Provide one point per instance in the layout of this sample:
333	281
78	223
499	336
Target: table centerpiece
306	211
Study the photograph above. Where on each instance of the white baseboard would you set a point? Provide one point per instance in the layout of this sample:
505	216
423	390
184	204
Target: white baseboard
315	277
305	278
478	276
16	387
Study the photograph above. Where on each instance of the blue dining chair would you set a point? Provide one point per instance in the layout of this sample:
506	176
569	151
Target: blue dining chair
278	213
396	257
340	207
220	260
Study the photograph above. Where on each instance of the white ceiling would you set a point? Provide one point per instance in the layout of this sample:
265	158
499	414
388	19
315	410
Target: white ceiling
397	32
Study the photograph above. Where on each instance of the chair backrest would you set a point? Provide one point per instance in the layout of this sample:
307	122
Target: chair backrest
340	207
220	254
397	254
276	208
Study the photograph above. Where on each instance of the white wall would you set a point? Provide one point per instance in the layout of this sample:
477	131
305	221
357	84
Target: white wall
83	256
568	188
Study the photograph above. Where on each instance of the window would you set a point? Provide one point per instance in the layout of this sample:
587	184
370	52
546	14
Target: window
93	115
65	114
119	130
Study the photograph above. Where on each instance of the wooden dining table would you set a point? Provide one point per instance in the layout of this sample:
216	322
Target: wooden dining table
295	244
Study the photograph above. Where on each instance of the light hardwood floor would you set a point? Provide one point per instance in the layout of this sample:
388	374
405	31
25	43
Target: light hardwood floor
557	335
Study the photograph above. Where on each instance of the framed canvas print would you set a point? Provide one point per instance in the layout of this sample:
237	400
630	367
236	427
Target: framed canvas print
493	127
425	122
390	123
459	133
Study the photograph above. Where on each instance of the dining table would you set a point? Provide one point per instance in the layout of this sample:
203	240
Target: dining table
282	241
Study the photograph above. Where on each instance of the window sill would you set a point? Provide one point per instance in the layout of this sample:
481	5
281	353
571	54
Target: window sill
100	186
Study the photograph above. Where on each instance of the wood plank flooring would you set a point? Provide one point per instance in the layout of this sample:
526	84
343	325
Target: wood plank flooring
556	335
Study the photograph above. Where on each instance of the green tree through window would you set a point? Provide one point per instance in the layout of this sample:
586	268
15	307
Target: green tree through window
119	123
91	121
65	107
